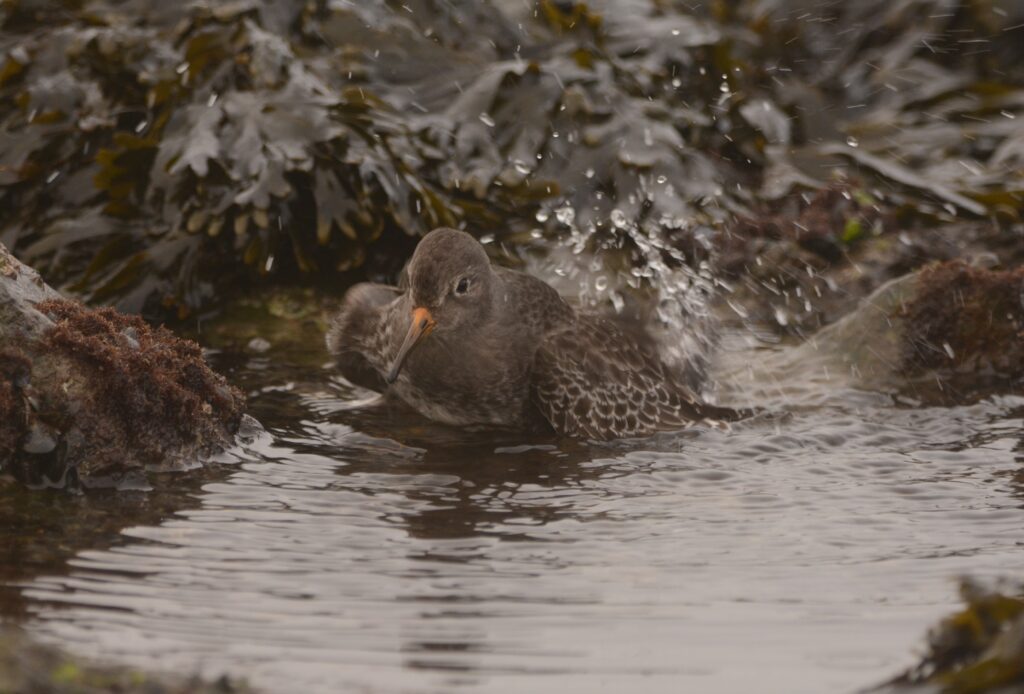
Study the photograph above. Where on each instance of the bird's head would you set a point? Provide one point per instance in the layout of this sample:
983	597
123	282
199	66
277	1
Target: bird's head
450	285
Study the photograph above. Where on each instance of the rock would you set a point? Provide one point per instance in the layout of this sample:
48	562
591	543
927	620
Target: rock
27	666
949	332
92	395
977	650
258	345
967	320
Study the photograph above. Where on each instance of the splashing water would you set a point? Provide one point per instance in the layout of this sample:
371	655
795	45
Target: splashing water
635	271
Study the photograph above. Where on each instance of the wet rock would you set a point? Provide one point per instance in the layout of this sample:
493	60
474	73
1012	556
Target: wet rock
977	650
258	345
14	370
89	395
947	333
967	320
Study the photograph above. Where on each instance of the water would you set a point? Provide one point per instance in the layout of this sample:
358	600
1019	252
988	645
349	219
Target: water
356	549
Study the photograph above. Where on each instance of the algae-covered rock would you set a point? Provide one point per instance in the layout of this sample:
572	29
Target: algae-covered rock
977	650
965	319
949	332
27	667
91	395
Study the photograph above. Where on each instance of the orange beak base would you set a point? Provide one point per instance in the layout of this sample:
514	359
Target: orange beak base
422	325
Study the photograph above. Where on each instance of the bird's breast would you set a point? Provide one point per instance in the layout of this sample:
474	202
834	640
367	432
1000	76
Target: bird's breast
464	384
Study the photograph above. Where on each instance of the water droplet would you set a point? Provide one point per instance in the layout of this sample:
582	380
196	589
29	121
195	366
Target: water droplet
565	215
600	283
536	233
141	126
487	239
521	167
852	141
619	219
487	120
589	173
40	441
542	215
949	350
661	179
675	32
212	99
781	317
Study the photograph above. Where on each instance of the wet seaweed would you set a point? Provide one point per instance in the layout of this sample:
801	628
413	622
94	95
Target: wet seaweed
156	155
27	666
979	649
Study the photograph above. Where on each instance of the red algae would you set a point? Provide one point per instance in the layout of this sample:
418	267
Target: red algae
967	319
14	370
144	395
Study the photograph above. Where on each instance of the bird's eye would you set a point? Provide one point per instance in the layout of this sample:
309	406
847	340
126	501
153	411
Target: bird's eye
463	286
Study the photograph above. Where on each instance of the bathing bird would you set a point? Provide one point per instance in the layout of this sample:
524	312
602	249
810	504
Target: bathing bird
469	343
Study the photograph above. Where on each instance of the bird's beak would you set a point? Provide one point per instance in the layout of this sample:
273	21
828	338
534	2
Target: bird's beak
421	326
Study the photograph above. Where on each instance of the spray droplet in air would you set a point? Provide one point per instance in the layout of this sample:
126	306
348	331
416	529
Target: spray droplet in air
565	215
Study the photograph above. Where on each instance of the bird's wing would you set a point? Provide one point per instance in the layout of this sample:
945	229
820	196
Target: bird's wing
592	379
356	329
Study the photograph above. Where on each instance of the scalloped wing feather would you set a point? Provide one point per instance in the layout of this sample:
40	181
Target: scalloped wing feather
592	379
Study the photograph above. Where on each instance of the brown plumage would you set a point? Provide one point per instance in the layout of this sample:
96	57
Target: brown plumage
469	343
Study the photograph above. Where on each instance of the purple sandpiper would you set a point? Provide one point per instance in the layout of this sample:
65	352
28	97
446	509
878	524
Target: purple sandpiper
471	343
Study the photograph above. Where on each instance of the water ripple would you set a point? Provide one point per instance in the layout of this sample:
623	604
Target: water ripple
361	549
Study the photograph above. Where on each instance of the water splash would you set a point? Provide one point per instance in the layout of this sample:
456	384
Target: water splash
635	271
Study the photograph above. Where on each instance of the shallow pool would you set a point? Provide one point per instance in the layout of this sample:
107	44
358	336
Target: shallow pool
362	549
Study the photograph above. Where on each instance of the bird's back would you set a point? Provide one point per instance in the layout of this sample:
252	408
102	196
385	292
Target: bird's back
535	305
595	378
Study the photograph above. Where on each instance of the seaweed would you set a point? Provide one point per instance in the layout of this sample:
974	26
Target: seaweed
154	156
979	649
29	666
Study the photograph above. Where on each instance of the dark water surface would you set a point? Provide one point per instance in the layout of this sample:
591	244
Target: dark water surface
364	550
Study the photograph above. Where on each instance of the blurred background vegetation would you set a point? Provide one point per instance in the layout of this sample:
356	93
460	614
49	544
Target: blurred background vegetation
159	156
